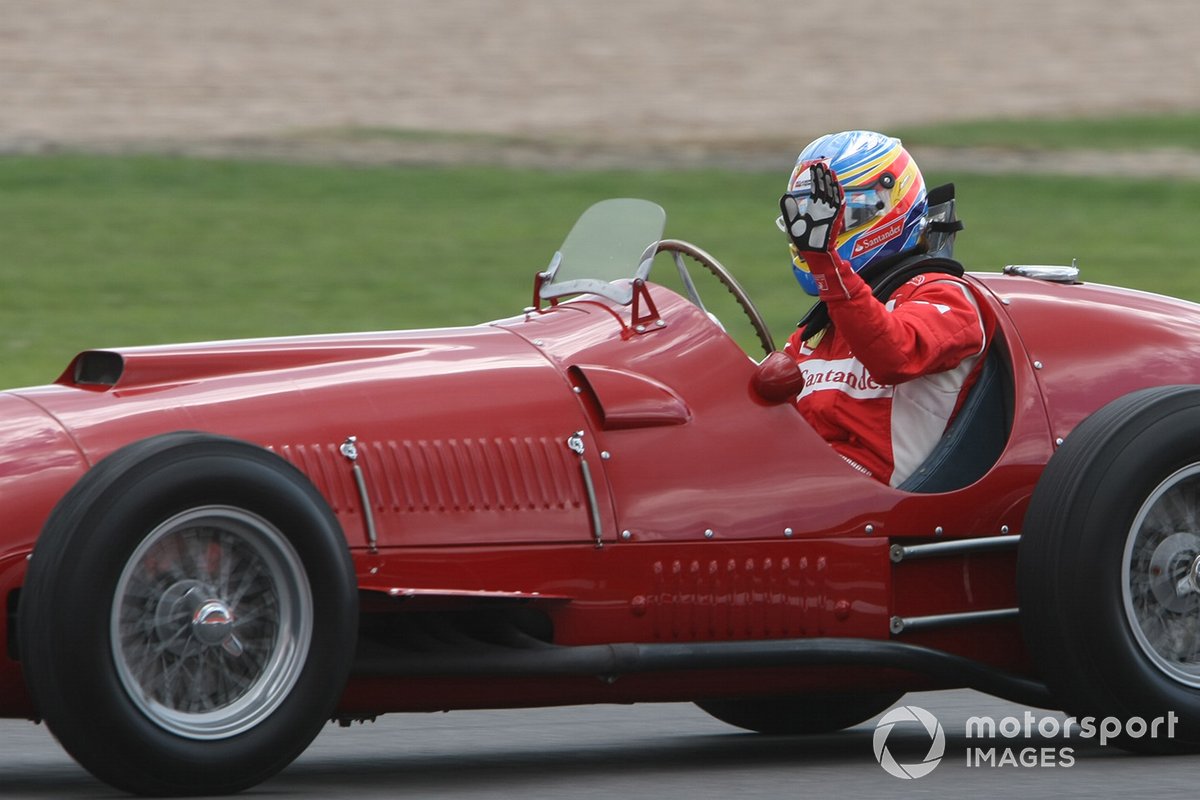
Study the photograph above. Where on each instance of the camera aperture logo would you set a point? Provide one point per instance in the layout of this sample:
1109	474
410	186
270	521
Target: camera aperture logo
937	742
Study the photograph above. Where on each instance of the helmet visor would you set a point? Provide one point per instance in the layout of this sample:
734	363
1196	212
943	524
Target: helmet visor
862	206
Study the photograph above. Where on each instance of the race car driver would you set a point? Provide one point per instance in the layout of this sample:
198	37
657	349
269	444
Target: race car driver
896	341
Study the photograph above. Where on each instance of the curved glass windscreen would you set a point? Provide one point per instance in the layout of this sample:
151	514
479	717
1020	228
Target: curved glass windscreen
611	243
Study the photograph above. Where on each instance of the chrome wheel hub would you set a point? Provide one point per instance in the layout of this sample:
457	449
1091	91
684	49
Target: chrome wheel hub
1161	577
1172	571
211	622
212	625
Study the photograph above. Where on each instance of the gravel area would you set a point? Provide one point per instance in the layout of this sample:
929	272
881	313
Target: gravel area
597	83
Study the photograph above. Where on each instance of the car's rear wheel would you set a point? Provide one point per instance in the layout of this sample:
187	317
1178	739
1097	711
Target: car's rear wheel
802	714
1109	569
189	616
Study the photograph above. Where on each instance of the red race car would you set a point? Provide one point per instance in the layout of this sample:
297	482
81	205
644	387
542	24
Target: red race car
210	550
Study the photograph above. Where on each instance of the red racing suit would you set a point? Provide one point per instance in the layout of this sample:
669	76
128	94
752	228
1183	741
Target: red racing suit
882	381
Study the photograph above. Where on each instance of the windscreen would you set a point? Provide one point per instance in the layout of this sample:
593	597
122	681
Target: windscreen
614	240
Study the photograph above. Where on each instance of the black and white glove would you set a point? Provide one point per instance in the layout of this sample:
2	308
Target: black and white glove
813	217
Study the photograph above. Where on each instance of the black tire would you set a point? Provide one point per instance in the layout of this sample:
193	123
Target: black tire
188	552
800	715
1112	520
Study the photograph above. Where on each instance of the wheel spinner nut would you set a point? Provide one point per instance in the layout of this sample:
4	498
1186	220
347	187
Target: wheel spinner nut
212	623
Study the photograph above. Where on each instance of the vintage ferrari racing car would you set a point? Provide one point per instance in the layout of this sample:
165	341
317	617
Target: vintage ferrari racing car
211	550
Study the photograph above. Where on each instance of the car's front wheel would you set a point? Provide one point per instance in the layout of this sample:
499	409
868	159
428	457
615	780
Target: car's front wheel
189	616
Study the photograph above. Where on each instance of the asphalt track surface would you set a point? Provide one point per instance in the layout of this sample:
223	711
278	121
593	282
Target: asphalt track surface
667	752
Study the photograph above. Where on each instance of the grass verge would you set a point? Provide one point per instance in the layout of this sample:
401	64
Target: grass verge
122	251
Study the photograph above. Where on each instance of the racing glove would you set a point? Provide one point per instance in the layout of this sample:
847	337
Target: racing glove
813	220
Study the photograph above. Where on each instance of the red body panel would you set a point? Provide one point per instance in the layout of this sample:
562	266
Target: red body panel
721	517
1094	343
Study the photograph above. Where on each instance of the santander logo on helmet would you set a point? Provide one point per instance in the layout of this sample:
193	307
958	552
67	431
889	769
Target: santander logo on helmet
877	238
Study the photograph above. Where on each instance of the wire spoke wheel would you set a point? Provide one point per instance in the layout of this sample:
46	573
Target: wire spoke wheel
1160	578
211	622
189	616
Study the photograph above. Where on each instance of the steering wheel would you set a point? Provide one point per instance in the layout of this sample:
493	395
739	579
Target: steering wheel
678	249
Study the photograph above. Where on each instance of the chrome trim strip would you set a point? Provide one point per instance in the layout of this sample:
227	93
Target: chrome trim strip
576	446
349	450
901	552
372	536
593	507
911	624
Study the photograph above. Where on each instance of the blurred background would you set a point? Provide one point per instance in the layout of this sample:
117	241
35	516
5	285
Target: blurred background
173	171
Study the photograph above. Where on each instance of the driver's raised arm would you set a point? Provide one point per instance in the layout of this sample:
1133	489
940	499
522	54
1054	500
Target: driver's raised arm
930	324
882	379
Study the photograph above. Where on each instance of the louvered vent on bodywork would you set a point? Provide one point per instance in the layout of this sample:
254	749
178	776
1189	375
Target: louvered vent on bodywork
439	475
